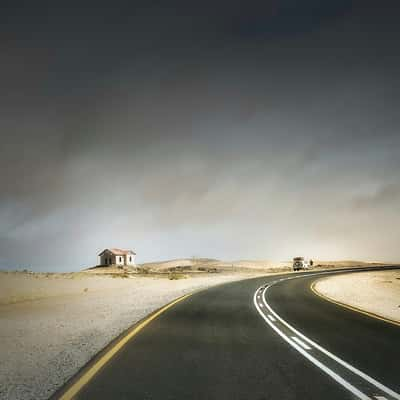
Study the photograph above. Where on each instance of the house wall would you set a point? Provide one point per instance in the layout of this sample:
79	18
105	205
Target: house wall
119	260
130	257
104	259
107	259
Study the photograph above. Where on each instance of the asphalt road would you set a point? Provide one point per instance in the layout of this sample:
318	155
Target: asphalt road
235	341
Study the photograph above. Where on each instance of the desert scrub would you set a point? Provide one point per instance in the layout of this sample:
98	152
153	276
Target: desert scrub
143	270
173	276
121	275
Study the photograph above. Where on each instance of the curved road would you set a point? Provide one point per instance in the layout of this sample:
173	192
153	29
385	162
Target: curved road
264	338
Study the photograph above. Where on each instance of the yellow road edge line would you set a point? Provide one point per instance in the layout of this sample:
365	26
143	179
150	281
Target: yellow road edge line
349	307
91	372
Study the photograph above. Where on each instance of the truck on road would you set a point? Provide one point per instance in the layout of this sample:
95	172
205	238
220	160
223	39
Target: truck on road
300	263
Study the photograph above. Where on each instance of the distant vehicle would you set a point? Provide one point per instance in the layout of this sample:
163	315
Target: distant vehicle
300	263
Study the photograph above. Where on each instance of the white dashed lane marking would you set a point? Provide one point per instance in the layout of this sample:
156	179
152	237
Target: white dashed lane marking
301	343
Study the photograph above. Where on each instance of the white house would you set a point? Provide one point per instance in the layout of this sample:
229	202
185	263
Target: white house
117	257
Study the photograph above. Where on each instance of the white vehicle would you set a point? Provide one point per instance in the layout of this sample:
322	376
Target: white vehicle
300	263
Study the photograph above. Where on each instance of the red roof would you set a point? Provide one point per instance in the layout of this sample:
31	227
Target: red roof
118	252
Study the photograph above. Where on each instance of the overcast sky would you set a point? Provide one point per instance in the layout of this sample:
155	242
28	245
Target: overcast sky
227	129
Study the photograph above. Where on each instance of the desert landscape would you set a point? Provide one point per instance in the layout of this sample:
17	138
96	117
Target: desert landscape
199	200
53	323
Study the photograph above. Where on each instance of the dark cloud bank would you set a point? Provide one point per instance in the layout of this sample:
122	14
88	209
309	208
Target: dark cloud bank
236	130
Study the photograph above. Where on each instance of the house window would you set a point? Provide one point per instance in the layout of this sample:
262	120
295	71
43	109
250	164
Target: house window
120	259
130	259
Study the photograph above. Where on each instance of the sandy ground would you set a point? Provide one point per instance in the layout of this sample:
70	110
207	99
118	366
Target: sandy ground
50	326
376	292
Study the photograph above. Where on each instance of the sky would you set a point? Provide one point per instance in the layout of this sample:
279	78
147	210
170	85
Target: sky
224	129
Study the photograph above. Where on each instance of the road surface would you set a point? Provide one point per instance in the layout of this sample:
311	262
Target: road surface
263	338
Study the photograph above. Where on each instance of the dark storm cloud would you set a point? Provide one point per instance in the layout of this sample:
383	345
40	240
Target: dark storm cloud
387	196
236	129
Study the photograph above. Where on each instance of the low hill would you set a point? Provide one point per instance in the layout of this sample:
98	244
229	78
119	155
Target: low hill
204	265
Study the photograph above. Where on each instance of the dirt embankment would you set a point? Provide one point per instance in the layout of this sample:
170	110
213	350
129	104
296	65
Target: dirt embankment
376	292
